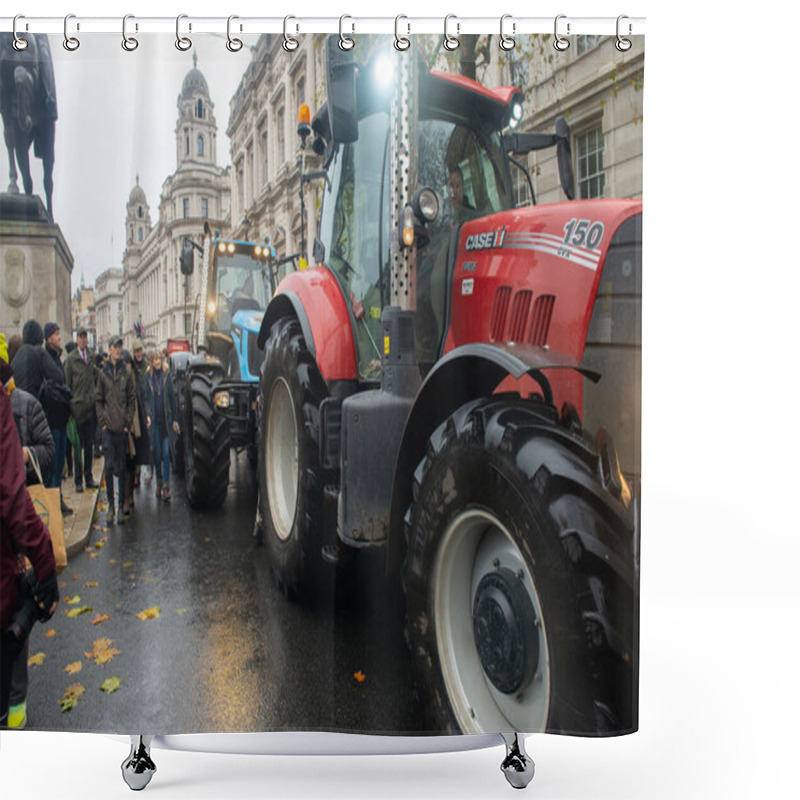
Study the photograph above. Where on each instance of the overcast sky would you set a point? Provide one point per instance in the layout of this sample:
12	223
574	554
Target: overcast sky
116	117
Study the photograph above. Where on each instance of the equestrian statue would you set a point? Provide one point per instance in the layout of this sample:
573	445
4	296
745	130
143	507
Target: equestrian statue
28	107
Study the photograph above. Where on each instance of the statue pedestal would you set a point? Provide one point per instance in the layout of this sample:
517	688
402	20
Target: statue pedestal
35	266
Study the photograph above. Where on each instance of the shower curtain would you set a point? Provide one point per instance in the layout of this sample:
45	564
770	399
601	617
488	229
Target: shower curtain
336	517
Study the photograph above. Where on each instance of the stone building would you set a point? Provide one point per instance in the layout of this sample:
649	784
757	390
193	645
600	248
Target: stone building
265	177
108	306
157	298
83	312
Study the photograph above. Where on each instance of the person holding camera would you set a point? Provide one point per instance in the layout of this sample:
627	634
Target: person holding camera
22	532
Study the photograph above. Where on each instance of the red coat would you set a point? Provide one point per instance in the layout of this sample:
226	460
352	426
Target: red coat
21	530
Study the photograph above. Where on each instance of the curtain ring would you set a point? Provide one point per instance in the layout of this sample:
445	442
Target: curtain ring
234	45
71	43
623	45
560	43
183	43
345	42
290	44
128	42
19	43
451	42
507	42
401	42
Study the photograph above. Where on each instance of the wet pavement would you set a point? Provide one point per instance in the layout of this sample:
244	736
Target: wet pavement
204	640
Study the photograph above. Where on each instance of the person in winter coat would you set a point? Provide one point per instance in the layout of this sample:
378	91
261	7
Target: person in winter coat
140	367
162	410
37	448
21	532
139	440
57	413
80	372
115	404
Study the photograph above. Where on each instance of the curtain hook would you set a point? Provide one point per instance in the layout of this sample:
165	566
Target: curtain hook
507	42
401	42
128	42
623	45
183	43
451	42
346	42
71	43
560	43
234	45
290	44
19	42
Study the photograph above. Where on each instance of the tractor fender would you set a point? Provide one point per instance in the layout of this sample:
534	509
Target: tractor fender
314	297
466	373
204	362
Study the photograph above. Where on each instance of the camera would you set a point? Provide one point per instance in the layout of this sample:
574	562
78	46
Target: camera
29	611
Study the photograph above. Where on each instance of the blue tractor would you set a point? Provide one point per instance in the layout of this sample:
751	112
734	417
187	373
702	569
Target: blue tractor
237	282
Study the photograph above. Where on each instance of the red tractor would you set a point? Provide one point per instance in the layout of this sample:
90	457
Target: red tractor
426	388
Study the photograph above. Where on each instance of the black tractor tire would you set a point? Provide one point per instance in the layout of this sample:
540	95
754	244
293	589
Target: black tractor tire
206	438
178	465
290	476
521	586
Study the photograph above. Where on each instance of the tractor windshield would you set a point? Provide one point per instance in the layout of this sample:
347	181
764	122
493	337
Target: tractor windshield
239	283
462	162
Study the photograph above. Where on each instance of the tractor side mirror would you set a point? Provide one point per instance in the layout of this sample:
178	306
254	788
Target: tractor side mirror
564	156
187	258
341	80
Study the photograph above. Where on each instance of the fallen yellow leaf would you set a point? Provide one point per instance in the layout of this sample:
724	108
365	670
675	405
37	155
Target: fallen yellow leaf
110	685
150	613
102	651
76	612
359	676
112	560
101	543
99	619
48	634
91	584
71	601
93	554
75	666
71	697
36	660
181	611
127	563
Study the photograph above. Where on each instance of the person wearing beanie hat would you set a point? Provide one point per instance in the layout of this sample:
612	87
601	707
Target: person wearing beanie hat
30	368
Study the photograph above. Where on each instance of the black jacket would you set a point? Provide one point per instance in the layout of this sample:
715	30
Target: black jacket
115	397
34	432
30	365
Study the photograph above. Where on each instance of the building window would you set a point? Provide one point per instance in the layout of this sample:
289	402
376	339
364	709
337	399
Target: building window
586	43
264	172
199	108
300	92
139	212
591	173
140	234
240	186
522	191
204	207
281	137
200	146
187	145
185	207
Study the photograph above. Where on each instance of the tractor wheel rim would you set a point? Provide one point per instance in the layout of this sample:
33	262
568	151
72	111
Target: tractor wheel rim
282	459
476	544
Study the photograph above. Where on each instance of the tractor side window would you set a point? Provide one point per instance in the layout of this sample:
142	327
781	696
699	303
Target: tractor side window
349	227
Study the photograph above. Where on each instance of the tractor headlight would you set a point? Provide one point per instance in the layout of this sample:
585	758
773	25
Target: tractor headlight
257	251
231	248
212	307
221	247
428	205
222	399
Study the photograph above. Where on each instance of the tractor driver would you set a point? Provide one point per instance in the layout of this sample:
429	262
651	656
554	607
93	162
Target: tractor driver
455	185
245	291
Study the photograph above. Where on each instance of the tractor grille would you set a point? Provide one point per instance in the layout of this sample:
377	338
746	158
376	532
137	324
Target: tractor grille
540	321
518	322
255	355
497	325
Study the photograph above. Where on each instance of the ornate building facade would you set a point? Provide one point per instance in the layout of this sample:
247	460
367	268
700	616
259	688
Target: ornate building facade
265	178
157	299
108	306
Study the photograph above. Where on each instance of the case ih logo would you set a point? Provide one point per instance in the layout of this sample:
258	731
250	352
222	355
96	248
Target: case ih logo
483	241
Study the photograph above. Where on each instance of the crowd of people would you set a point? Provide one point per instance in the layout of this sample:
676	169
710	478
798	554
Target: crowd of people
57	415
